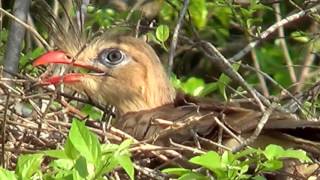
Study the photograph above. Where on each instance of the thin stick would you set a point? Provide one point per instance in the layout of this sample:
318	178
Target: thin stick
134	8
175	35
239	139
263	84
283	44
183	147
211	52
3	164
308	60
214	143
264	119
153	174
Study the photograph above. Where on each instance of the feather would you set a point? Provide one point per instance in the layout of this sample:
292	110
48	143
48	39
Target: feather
66	35
281	128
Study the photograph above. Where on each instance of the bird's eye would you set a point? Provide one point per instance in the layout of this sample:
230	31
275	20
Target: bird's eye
111	57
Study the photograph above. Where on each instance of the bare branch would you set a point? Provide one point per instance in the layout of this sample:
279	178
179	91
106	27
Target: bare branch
175	35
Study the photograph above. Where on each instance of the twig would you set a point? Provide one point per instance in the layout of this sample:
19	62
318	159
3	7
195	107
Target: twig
283	44
134	8
300	98
158	151
3	131
212	53
44	113
154	174
31	24
175	35
239	139
183	147
262	81
264	119
214	143
122	134
248	67
308	60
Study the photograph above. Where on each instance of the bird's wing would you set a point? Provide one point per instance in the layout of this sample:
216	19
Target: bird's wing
176	122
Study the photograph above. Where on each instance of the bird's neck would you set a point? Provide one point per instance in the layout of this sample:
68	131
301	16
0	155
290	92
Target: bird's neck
137	104
154	96
155	91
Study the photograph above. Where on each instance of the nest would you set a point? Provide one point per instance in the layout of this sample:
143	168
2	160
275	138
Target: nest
35	118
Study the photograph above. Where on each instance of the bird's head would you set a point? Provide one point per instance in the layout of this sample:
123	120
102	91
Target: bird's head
124	71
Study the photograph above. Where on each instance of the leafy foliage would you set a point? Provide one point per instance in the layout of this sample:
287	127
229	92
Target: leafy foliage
197	87
238	165
82	157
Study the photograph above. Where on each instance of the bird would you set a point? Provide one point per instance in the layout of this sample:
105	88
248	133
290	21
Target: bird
126	72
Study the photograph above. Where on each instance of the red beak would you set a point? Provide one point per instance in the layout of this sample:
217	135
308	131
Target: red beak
59	57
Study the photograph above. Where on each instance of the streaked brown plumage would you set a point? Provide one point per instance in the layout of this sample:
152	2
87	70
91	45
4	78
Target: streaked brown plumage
129	75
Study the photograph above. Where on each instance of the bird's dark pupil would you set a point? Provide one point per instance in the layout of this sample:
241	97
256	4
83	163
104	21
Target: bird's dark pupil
114	56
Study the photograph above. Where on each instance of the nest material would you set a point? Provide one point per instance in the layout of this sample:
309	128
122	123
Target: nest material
35	118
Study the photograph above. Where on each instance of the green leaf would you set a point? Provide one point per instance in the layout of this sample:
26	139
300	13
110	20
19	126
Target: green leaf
109	148
300	36
259	178
184	174
151	37
224	80
108	163
211	160
62	164
209	88
162	33
272	165
113	155
122	156
198	10
273	151
126	163
28	165
125	144
70	151
193	175
245	152
297	154
92	112
27	58
85	141
175	81
60	154
193	86
226	158
81	167
176	171
244	169
6	174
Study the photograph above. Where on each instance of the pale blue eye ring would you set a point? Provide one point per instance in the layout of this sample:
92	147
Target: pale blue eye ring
111	56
